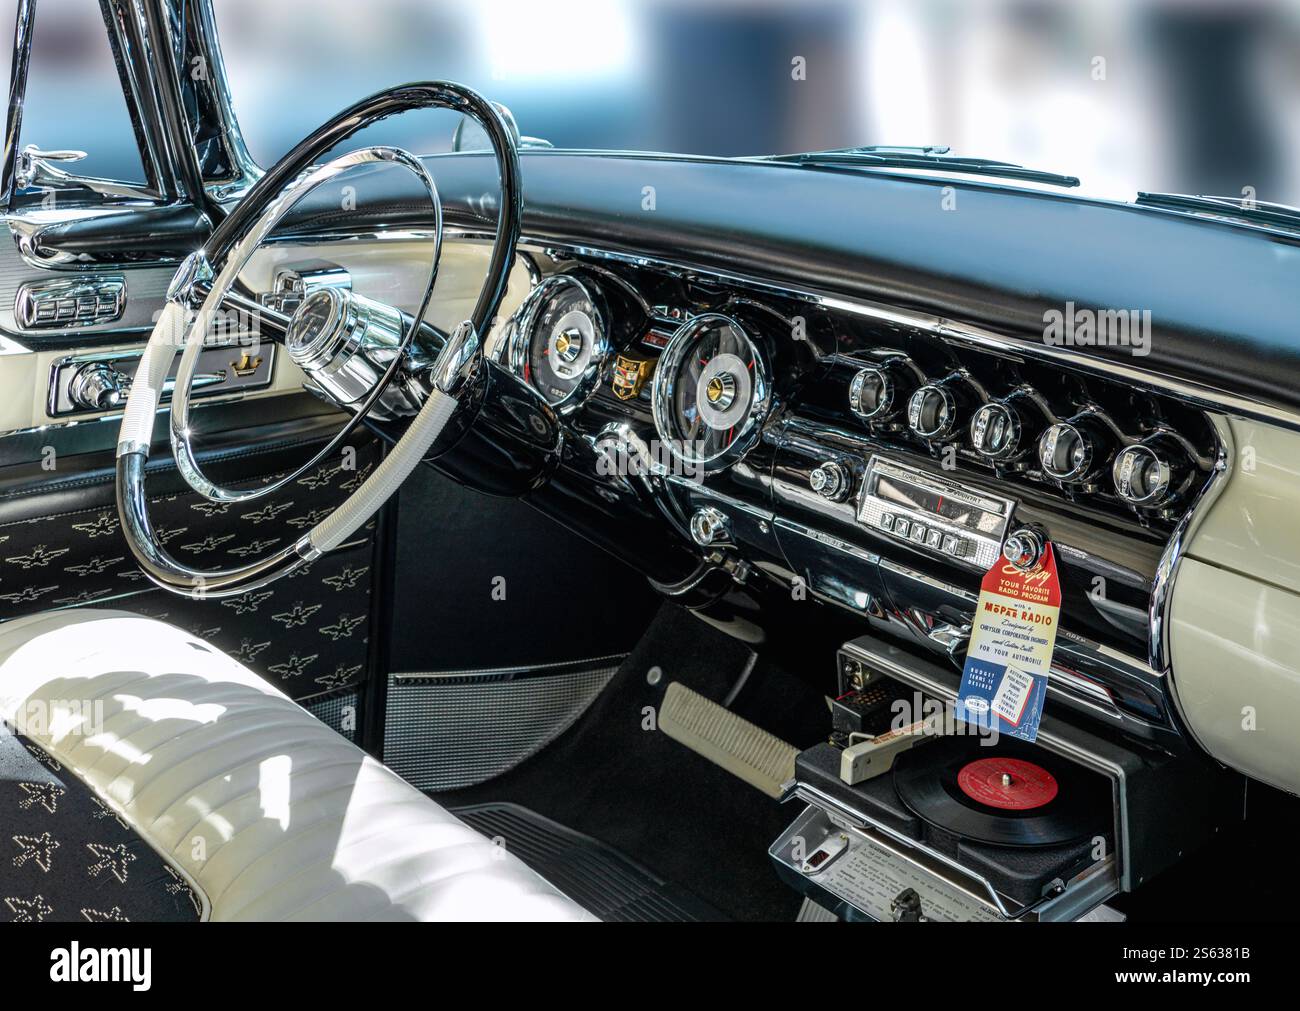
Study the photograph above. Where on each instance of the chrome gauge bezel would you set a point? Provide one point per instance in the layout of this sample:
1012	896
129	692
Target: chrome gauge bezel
663	394
520	341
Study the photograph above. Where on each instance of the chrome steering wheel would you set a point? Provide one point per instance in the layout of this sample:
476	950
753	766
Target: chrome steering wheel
352	349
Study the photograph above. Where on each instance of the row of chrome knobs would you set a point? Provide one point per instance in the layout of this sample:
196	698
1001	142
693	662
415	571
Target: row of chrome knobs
1015	429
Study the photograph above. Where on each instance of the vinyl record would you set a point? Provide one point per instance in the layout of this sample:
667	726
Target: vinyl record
1011	794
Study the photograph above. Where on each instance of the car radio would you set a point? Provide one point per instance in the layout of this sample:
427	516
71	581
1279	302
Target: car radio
933	514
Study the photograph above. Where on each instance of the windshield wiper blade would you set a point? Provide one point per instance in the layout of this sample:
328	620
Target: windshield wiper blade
1257	212
935	158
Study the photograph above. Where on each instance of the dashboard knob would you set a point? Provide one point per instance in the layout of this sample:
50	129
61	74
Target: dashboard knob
1002	430
831	481
1150	473
709	526
995	431
98	387
1072	451
877	391
1024	548
932	411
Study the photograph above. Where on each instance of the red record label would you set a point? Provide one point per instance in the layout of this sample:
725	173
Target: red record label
1011	784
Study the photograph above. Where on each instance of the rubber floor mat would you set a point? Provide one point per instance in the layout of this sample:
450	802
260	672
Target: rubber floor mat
596	876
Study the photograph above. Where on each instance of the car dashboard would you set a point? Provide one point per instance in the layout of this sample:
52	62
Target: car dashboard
858	456
818	432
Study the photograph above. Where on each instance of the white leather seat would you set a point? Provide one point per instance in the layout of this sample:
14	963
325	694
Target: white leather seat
269	813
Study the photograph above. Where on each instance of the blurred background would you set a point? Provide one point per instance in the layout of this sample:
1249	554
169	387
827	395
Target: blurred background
1180	95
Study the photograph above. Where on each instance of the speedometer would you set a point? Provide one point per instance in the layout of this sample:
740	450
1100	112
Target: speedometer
711	392
561	341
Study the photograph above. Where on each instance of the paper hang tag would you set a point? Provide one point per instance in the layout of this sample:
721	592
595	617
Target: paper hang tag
1004	682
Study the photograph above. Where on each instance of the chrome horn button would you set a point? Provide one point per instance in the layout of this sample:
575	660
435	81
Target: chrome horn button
344	342
312	327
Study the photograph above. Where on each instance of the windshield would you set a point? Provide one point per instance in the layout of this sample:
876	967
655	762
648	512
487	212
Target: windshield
1196	97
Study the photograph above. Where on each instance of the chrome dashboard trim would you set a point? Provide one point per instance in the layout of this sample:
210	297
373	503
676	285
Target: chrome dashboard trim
1201	396
1162	591
988	340
1076	664
695	487
828	540
1167	570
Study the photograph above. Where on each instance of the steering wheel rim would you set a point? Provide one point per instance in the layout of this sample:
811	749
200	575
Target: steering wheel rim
458	361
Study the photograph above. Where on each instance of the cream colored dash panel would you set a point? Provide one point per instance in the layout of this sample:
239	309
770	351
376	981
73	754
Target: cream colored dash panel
1235	644
395	271
1235	614
1254	526
391	271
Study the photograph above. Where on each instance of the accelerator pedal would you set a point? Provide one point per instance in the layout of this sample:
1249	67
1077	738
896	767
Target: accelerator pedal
761	759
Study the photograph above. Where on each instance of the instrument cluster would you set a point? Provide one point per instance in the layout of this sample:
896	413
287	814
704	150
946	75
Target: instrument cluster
704	364
711	392
704	376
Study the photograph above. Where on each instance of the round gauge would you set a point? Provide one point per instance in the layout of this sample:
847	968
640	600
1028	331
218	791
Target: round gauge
711	392
560	342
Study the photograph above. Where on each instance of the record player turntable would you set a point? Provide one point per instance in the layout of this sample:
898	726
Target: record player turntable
964	826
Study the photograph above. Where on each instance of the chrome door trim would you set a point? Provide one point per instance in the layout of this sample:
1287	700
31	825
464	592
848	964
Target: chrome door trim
24	22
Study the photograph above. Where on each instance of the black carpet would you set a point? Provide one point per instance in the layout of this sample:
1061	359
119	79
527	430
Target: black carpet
596	876
616	778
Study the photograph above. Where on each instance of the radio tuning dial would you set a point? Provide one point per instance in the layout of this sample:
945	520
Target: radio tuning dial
1151	473
831	481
